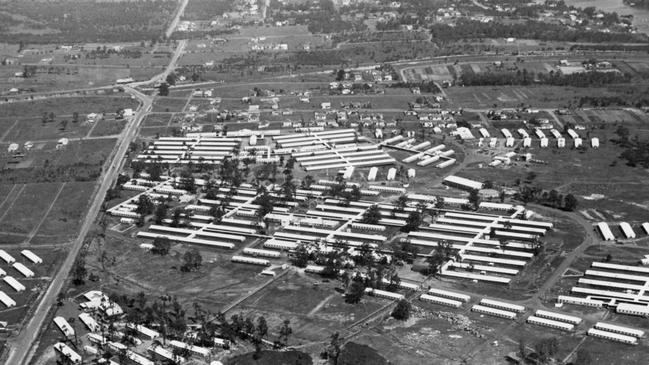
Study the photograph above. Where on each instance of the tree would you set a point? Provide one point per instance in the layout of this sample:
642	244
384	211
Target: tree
171	79
300	257
307	181
355	194
262	327
334	347
285	331
161	246
402	310
176	216
442	253
288	188
248	326
546	348
401	202
340	75
522	349
474	199
266	205
188	183
79	271
163	89
412	222
160	213
217	212
569	202
144	205
192	260
355	292
372	215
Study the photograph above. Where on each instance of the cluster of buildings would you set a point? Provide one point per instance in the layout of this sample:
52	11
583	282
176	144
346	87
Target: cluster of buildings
616	286
148	348
21	268
625	228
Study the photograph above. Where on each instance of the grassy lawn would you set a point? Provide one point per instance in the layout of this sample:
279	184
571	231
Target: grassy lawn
33	129
513	96
29	208
64	107
68	211
156	120
162	104
108	127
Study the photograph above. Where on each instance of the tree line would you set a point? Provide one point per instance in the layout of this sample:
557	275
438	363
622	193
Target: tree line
532	29
523	77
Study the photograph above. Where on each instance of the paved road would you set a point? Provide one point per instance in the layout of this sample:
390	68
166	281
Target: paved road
20	347
170	67
176	19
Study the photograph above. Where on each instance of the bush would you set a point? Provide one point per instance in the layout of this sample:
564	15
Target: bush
402	310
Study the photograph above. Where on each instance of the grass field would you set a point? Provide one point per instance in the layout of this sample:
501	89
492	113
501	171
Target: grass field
153	131
64	107
218	282
165	104
33	129
65	217
514	96
108	127
27	210
156	120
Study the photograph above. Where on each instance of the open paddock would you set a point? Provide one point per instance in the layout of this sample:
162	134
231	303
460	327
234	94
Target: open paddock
437	73
616	117
512	96
608	352
637	66
217	283
89	153
83	76
154	131
167	104
156	120
33	129
180	91
427	336
66	214
108	127
93	152
282	88
321	310
64	107
28	209
615	200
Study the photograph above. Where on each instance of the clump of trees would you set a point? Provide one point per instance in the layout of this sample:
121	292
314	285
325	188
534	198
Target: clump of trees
192	261
531	29
372	215
402	310
552	198
442	253
523	77
161	246
636	151
424	86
